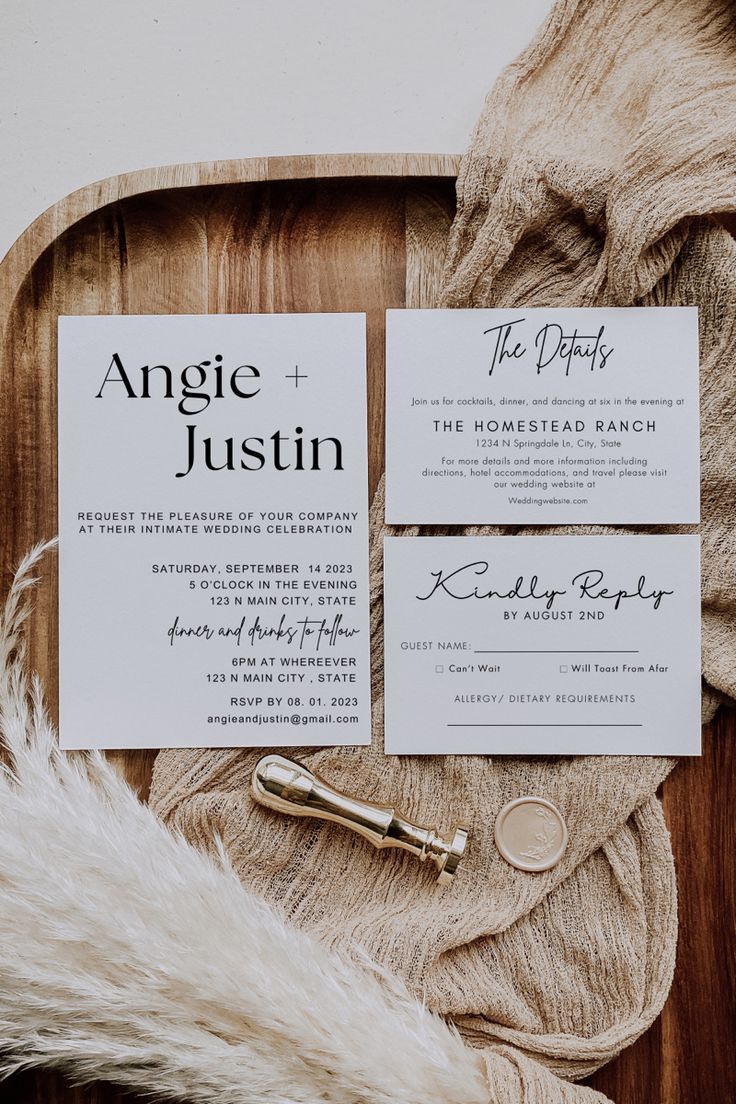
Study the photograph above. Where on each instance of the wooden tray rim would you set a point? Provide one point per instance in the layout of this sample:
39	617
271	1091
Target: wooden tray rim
23	254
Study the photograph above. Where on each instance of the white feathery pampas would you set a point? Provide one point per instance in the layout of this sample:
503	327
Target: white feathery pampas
127	955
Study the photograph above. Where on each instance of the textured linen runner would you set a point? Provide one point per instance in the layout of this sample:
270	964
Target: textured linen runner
594	177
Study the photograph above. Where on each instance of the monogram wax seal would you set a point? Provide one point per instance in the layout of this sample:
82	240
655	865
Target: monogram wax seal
531	834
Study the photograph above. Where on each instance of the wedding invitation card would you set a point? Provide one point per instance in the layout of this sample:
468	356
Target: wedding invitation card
542	645
536	416
213	584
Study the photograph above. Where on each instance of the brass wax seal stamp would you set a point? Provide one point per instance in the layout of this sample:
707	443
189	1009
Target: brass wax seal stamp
531	834
288	787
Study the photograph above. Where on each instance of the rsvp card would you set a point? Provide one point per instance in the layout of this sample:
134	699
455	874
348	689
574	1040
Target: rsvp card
542	645
536	416
213	582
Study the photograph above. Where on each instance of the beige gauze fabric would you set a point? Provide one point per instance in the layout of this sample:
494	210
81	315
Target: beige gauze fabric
591	178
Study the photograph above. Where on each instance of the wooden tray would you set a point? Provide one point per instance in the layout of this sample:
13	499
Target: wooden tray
352	233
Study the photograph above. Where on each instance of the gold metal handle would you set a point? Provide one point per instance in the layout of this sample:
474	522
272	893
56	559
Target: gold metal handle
288	787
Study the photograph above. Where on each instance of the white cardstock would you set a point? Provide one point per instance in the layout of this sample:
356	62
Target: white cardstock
213	520
536	416
542	645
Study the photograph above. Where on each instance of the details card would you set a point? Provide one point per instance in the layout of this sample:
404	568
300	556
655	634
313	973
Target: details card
542	416
213	582
542	645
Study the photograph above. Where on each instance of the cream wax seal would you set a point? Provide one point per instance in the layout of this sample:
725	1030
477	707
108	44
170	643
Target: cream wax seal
531	833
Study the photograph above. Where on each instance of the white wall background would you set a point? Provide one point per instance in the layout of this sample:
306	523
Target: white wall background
91	88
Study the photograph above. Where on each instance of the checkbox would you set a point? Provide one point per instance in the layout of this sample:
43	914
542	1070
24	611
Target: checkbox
439	669
563	668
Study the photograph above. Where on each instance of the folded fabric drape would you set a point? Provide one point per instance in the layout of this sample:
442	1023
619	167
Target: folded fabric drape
592	179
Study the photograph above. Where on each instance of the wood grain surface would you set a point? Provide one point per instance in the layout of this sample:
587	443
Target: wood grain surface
306	234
